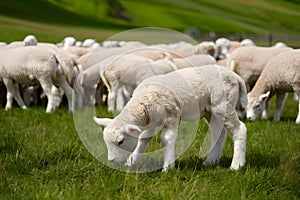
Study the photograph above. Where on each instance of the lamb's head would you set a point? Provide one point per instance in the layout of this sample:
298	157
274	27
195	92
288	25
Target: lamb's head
256	105
120	140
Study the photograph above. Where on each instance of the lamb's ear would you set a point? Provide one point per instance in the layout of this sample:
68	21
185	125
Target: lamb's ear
264	97
102	121
133	130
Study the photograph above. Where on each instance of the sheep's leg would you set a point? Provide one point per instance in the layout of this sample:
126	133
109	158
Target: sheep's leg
111	99
217	143
52	94
143	141
266	111
13	92
280	99
168	139
238	133
120	99
298	117
218	136
62	82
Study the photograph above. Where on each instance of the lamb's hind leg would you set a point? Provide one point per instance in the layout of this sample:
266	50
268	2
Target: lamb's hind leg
218	136
62	82
238	133
280	99
52	94
168	139
13	92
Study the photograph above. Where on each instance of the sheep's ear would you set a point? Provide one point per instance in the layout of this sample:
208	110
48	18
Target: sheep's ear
102	121
132	129
264	97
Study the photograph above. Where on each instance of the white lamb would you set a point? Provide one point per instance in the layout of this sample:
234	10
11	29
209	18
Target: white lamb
281	75
211	92
249	61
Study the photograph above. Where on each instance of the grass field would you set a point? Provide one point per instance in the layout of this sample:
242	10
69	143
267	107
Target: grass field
42	157
52	20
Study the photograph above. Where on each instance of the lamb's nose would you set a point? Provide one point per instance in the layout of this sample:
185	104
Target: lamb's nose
111	160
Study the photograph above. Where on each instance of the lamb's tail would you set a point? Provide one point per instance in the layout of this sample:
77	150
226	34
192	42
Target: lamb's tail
62	66
104	80
232	65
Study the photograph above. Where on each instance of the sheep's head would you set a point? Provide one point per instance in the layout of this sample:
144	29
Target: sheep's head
120	140
256	105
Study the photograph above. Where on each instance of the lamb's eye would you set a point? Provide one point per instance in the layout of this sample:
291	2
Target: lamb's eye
256	106
120	142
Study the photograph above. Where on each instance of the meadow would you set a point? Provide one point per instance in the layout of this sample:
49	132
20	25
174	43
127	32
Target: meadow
42	157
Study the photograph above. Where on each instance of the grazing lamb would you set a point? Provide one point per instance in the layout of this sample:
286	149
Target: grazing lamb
281	75
27	65
211	92
249	61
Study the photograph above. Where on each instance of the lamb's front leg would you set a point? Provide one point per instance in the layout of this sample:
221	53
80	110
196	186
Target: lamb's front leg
266	111
168	139
143	141
280	99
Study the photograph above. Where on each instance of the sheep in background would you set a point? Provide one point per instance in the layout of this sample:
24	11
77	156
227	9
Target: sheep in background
281	75
249	61
113	73
211	92
2	44
132	78
224	47
67	42
30	64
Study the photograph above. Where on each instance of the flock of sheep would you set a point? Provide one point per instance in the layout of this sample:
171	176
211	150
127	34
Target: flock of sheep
155	85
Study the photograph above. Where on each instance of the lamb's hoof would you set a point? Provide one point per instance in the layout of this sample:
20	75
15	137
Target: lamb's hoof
236	165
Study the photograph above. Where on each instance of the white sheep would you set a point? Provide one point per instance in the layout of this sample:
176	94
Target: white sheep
211	92
90	79
249	61
26	65
30	40
113	73
224	47
281	75
2	44
132	78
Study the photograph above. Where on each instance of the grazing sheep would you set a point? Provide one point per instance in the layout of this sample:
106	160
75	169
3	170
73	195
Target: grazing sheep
281	75
113	73
211	92
90	80
32	64
132	78
249	61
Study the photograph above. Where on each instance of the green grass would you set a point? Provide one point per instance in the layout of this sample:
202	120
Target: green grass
53	20
42	157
